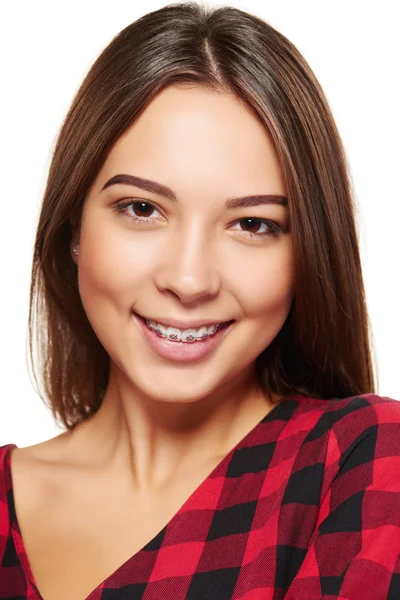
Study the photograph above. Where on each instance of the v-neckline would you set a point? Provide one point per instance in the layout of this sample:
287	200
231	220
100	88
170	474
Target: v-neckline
275	413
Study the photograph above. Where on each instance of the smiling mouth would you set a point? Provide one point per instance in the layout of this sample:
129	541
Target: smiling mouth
186	347
185	336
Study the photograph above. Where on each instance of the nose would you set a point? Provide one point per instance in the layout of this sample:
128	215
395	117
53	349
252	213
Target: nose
188	266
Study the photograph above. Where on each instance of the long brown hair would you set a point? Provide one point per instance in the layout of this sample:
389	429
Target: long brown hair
323	349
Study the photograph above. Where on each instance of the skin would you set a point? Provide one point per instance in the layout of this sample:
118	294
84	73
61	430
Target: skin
192	260
90	498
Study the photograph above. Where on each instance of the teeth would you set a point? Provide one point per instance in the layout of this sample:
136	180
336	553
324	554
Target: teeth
188	335
174	334
161	330
202	334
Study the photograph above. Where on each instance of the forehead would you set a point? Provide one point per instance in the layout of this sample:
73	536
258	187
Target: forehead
190	136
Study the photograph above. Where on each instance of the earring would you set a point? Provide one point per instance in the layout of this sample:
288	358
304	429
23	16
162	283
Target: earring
75	250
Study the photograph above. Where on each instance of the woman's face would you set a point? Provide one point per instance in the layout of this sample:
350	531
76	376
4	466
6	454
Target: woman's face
190	255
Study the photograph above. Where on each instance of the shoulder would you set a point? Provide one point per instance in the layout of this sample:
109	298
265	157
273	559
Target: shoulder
5	488
5	480
25	467
361	434
355	543
374	402
368	412
340	433
347	446
351	414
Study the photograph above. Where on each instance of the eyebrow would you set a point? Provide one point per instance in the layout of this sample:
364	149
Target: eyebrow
166	192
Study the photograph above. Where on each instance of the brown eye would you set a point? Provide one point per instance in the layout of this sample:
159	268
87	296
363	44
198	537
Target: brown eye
138	211
253	227
142	209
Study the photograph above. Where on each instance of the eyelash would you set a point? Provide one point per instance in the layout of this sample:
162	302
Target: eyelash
274	230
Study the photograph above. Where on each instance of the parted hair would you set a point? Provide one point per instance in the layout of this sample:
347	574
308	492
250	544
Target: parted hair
324	347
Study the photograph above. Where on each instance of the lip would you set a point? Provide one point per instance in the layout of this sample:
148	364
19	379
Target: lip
180	351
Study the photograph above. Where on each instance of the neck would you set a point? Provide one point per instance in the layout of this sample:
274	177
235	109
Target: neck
154	440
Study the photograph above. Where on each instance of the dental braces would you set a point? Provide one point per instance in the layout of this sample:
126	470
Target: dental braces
190	338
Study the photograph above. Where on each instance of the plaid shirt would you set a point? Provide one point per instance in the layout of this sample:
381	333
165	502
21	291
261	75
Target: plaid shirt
306	506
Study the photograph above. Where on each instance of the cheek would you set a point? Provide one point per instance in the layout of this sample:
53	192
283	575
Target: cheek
112	264
110	277
267	285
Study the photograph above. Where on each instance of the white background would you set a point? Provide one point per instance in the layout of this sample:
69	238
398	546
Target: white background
47	48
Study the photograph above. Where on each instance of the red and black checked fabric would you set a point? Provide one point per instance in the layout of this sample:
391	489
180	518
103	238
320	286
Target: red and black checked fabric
306	506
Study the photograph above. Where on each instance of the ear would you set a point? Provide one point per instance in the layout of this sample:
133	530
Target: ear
74	244
74	219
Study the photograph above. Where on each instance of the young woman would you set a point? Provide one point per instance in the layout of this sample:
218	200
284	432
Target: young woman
198	323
